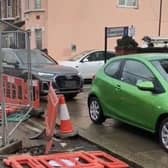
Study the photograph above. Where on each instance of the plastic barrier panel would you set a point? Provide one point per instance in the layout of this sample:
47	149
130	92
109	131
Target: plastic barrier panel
50	118
75	160
23	161
13	89
36	94
107	160
66	160
16	94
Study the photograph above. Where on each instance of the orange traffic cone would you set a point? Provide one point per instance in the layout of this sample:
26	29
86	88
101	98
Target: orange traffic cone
66	126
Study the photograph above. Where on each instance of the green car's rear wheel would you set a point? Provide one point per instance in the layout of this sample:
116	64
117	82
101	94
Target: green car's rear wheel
163	134
95	111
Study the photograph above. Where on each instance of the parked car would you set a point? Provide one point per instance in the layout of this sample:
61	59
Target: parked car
88	62
66	80
134	90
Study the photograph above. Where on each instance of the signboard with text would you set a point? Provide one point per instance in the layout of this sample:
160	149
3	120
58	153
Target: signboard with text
116	31
121	31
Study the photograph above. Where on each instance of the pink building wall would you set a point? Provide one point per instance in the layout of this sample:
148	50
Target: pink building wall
82	22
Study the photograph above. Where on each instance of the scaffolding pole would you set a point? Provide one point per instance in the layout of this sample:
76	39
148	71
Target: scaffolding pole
4	119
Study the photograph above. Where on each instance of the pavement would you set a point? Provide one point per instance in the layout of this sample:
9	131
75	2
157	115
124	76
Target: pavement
131	143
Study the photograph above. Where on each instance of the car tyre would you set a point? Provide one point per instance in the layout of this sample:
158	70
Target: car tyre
163	134
95	111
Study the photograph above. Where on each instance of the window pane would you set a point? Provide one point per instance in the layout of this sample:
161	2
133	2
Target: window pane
9	10
37	57
134	71
113	69
100	56
131	2
97	56
162	66
110	55
92	57
9	2
121	2
128	3
27	4
37	4
9	57
38	36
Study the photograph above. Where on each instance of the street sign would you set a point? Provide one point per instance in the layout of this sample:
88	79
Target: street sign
117	31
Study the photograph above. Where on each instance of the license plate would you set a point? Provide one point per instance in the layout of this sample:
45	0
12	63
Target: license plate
70	84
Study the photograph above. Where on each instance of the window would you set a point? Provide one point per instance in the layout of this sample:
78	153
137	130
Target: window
135	71
96	56
17	8
9	57
38	36
128	3
9	2
37	57
110	55
162	67
9	10
37	4
112	69
27	4
8	40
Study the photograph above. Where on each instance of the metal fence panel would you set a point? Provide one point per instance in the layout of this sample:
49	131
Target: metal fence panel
13	39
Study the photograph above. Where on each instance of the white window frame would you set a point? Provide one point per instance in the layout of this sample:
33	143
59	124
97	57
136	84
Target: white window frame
125	5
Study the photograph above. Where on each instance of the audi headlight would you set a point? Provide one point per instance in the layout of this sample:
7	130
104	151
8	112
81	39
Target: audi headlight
45	74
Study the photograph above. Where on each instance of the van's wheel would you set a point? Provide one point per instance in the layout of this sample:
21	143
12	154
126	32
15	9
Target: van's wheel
95	111
163	134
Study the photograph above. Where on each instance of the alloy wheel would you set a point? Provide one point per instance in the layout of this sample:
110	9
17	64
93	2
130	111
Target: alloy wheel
164	135
95	111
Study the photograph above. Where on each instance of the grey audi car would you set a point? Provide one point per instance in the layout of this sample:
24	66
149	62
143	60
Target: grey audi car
66	80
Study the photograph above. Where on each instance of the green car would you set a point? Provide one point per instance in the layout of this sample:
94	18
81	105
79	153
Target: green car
134	90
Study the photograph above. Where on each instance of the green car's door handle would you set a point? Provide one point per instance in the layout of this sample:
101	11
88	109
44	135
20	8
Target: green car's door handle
118	87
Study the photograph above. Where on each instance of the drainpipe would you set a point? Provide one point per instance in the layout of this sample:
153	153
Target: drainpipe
160	18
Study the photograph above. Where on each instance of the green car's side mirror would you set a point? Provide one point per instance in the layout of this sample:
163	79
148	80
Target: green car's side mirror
145	85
